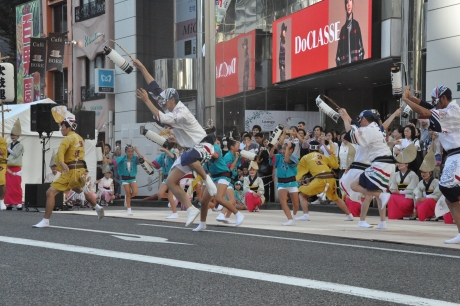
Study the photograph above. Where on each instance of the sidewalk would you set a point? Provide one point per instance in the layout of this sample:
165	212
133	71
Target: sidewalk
328	224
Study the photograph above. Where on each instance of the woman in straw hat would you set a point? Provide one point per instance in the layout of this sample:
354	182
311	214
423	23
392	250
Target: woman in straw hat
403	183
427	192
13	196
254	188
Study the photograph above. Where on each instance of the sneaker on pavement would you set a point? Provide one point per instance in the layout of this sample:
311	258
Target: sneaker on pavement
348	218
19	207
210	186
382	225
192	214
289	223
305	217
221	218
239	218
129	212
2	206
43	223
172	216
384	197
228	221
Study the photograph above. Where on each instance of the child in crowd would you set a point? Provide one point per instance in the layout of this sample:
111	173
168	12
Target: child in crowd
239	196
105	189
254	189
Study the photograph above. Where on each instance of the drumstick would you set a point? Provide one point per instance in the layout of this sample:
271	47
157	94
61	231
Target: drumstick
332	101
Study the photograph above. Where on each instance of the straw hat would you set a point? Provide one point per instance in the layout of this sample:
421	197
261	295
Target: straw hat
351	154
429	162
407	155
16	130
253	165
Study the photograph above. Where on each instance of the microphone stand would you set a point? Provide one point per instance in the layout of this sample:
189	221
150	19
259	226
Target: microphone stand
43	141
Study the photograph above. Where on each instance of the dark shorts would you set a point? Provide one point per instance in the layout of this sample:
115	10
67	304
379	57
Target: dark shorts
451	194
189	157
366	183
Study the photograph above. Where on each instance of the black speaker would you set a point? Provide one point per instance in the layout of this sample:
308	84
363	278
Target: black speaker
86	121
41	119
35	196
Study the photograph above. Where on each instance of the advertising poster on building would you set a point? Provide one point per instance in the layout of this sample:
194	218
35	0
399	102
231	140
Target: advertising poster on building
186	29
328	34
55	52
235	65
27	27
37	55
269	120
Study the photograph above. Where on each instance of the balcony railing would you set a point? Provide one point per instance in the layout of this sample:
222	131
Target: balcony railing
89	10
88	94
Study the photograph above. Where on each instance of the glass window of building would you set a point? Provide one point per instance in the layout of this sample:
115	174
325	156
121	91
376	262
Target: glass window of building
88	93
60	82
60	18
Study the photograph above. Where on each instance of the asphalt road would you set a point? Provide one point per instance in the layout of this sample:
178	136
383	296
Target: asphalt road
83	261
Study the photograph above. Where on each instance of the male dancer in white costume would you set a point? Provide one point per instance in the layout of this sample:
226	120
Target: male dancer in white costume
189	134
444	115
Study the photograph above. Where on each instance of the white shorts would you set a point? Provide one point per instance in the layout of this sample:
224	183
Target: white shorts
177	164
223	182
127	183
347	179
289	189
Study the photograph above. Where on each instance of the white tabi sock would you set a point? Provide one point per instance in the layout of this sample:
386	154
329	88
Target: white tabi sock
455	240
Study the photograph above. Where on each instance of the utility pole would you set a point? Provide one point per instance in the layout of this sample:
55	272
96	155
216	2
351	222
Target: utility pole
210	61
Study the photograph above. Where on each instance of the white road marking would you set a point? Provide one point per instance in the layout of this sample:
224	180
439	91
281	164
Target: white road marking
125	236
314	241
260	276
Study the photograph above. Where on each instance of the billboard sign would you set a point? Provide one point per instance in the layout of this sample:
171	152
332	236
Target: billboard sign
27	27
235	65
331	33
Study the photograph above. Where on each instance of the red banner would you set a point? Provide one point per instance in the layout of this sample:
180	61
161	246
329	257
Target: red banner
235	65
329	34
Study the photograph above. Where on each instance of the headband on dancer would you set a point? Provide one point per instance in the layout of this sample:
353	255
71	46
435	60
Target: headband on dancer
71	121
166	95
438	91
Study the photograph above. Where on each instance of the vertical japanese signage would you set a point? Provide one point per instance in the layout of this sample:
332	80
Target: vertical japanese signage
235	65
6	82
27	27
331	33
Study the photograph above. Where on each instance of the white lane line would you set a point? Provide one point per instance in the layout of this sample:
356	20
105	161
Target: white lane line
261	276
124	236
314	241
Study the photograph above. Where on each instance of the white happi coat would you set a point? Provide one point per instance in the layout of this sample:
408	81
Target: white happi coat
186	128
450	139
371	137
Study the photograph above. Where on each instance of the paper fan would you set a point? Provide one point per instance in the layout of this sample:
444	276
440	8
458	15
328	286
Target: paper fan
59	113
